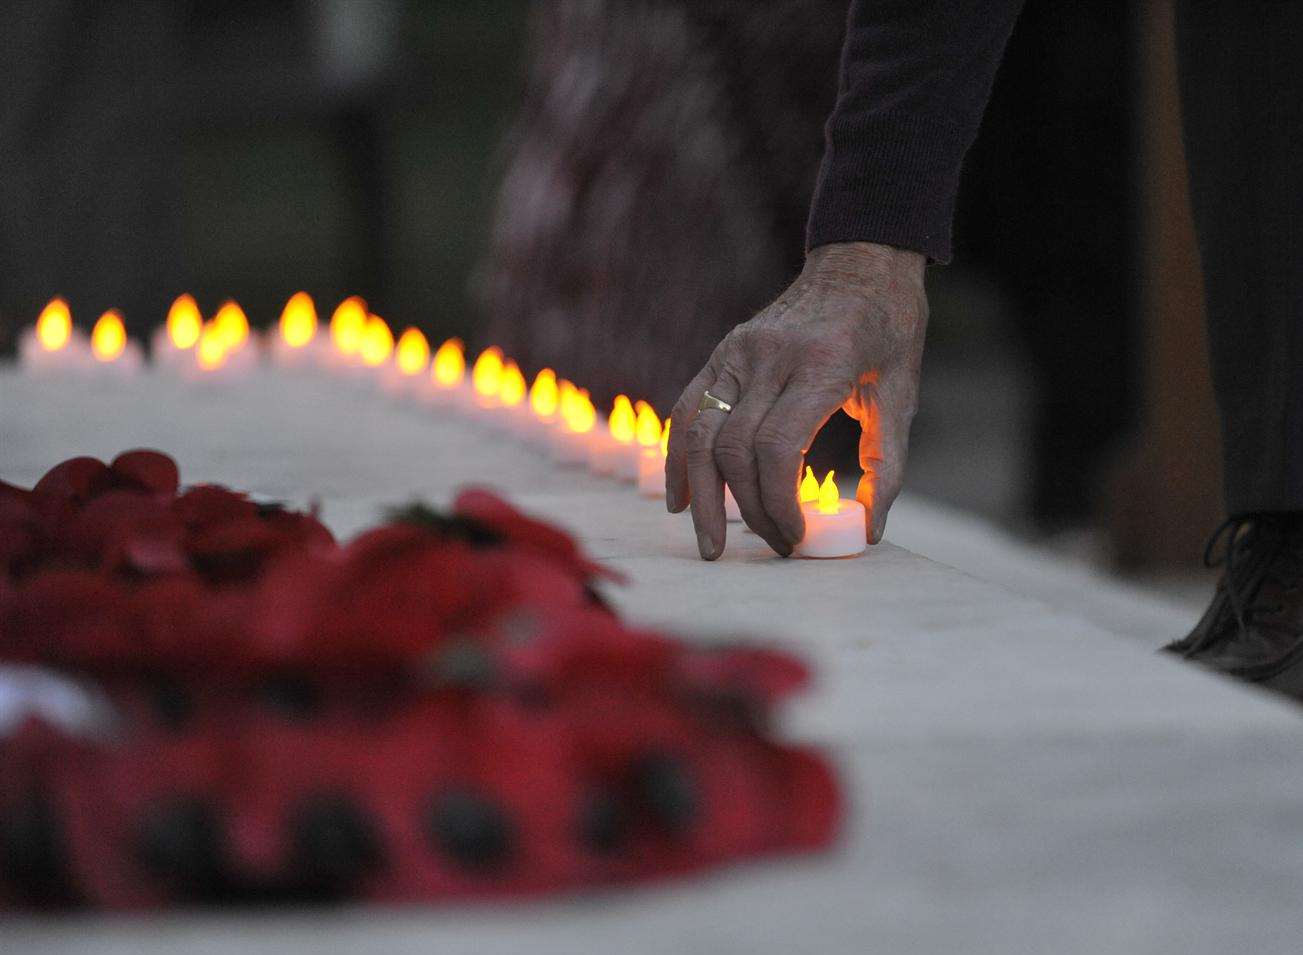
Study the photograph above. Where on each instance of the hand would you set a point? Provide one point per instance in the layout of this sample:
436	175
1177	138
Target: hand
848	333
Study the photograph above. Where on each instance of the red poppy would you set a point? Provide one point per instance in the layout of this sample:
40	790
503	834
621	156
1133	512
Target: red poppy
495	513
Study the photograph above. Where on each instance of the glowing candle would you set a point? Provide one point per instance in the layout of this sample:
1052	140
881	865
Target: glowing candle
413	353
512	392
834	526
296	344
652	442
172	344
54	326
543	402
407	373
377	342
53	344
231	326
446	383
347	327
108	339
486	378
110	346
613	451
578	418
808	492
210	352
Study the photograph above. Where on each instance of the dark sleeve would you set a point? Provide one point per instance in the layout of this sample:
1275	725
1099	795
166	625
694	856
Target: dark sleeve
915	77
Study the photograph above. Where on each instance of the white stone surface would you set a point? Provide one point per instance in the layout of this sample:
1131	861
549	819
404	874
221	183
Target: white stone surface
1022	778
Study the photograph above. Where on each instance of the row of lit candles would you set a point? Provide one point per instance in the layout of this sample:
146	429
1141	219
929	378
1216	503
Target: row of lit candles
551	411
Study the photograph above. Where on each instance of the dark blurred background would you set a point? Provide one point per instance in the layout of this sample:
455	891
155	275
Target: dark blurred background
607	187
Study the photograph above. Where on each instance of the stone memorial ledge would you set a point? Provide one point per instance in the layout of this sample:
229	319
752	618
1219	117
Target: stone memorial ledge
1024	776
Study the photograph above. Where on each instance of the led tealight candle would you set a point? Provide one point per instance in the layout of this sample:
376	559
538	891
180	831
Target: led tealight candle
377	342
486	378
411	361
210	352
543	400
112	350
54	325
232	327
578	418
613	452
512	392
834	526
623	425
446	384
295	344
53	344
565	397
172	345
652	443
347	326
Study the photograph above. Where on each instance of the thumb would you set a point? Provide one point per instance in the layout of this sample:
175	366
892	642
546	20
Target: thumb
883	449
877	491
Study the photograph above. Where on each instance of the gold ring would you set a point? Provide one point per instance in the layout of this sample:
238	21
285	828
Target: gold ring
709	401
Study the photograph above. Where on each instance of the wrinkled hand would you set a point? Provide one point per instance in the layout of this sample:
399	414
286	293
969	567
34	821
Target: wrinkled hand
848	333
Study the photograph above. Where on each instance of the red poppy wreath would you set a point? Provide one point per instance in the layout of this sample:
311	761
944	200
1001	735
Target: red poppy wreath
443	707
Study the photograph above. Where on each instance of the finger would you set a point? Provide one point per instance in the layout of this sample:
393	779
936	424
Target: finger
677	492
781	442
735	458
884	445
705	485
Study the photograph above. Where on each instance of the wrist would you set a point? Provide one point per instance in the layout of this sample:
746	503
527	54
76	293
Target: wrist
869	268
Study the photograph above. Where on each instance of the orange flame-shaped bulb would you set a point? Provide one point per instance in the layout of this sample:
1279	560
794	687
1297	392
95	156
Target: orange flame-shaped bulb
665	439
348	325
829	502
543	394
231	324
377	342
109	336
622	420
647	427
54	325
449	364
184	323
809	492
583	415
210	352
512	388
486	375
567	395
412	354
298	320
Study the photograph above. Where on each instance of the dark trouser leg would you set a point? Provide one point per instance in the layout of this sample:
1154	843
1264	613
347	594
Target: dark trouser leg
1242	93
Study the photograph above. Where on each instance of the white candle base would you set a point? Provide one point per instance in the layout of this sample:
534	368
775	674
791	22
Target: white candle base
610	458
571	448
626	463
164	356
651	473
602	451
833	535
34	358
451	398
309	355
128	363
